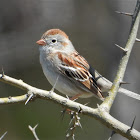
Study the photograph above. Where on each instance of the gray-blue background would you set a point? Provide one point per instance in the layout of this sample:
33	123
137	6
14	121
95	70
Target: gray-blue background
94	28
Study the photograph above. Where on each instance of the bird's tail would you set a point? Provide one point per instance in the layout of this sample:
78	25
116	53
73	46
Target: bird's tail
129	93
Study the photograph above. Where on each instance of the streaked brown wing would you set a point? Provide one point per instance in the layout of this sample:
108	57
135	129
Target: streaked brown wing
76	67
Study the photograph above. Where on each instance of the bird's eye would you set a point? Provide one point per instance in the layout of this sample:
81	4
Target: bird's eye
54	40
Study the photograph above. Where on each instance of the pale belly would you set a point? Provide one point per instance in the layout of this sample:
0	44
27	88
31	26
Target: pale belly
63	84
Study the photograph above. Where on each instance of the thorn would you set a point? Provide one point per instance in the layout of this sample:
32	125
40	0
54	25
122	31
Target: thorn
137	40
36	126
29	98
63	113
74	99
79	124
3	135
9	97
100	108
20	80
123	49
113	132
72	117
67	135
80	109
67	97
72	127
132	124
124	13
2	72
52	90
73	137
86	103
123	83
78	118
98	105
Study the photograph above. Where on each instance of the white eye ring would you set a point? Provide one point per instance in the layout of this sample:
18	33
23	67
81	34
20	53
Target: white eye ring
54	40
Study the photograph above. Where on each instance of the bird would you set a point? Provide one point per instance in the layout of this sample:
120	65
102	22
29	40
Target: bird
70	72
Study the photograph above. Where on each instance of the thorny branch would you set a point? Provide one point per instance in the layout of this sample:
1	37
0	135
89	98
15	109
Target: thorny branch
124	60
102	112
74	123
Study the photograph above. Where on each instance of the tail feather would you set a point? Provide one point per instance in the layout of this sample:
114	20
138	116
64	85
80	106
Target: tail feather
129	93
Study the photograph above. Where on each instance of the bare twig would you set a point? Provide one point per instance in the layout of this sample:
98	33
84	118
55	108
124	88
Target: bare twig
3	135
135	14
12	100
33	131
74	123
124	13
123	63
98	114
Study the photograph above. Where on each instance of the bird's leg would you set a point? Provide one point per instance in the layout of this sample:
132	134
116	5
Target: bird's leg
76	96
73	99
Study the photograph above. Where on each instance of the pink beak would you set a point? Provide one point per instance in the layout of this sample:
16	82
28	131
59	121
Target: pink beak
41	42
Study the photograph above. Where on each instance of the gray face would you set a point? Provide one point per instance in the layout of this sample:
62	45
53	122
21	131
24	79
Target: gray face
54	41
58	43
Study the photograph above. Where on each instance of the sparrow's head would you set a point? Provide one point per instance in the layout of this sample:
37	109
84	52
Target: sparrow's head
56	39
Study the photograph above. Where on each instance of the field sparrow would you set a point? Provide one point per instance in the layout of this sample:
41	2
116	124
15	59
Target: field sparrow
76	77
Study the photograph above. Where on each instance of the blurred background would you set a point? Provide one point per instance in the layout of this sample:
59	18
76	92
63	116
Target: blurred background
94	28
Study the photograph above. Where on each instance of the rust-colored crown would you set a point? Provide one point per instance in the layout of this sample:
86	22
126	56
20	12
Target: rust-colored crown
54	32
